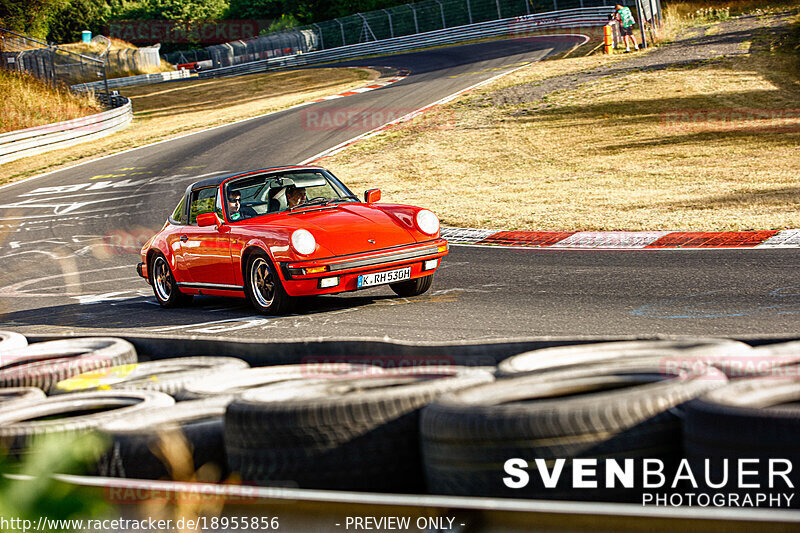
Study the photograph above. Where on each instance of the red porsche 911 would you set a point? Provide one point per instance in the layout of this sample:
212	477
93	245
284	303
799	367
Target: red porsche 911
274	234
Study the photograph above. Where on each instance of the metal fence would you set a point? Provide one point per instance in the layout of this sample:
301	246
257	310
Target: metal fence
61	66
391	23
48	62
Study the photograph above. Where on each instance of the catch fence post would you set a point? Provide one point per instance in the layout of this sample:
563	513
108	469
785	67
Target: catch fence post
389	16
641	22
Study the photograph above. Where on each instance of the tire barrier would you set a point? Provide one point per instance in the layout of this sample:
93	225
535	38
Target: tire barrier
448	430
44	364
182	442
131	81
72	414
238	381
170	376
586	413
755	420
349	434
11	341
667	353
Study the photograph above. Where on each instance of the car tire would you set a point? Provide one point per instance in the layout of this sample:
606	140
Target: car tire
594	413
72	414
412	287
44	364
343	434
264	288
164	285
235	382
16	396
669	353
751	418
181	442
170	376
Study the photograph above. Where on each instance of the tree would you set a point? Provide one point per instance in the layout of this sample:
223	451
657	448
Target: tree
255	9
179	10
31	17
79	15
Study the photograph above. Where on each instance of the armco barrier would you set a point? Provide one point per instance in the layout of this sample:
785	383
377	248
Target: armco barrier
32	141
130	81
591	17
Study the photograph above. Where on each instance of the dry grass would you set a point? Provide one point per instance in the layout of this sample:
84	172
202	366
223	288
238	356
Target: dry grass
170	109
28	102
609	156
680	15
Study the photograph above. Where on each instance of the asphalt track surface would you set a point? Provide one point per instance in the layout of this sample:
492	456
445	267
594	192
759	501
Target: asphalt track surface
69	243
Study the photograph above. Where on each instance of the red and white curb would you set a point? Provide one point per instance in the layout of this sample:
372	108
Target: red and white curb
625	239
401	74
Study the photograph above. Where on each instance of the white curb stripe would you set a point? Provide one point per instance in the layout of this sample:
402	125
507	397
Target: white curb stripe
610	239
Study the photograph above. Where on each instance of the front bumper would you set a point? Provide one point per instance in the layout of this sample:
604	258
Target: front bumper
303	278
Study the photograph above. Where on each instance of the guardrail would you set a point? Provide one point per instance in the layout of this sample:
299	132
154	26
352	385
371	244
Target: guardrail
569	18
130	81
32	141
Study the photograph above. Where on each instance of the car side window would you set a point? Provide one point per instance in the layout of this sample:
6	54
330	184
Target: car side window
177	215
203	201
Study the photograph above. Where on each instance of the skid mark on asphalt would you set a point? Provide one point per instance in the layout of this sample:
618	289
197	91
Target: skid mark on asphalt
719	304
217	326
69	273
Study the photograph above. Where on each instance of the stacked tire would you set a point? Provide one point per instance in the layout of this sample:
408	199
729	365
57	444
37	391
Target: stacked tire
347	434
606	411
44	364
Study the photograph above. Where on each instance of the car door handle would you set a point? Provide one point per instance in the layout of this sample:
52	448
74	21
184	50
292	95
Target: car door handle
184	238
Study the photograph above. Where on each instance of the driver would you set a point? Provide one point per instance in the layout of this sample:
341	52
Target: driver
295	195
235	209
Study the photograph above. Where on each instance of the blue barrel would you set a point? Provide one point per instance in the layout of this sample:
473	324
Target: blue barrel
87	36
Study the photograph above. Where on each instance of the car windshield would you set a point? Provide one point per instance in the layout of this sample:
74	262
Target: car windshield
252	196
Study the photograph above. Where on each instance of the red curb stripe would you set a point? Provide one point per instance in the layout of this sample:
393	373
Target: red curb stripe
527	238
712	239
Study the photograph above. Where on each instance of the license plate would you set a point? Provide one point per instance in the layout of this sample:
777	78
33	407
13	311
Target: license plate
379	278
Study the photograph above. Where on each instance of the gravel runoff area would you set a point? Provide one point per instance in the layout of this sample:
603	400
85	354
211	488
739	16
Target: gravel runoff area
693	46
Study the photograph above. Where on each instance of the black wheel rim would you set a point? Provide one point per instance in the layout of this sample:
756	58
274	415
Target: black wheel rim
262	282
162	279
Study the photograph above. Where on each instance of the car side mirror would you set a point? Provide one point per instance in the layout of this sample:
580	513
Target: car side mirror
208	219
372	195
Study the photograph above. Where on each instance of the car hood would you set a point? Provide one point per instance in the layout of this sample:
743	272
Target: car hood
349	228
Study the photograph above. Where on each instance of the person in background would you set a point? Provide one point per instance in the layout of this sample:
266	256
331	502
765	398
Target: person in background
627	21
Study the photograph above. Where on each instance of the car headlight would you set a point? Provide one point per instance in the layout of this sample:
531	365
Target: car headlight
427	222
303	242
